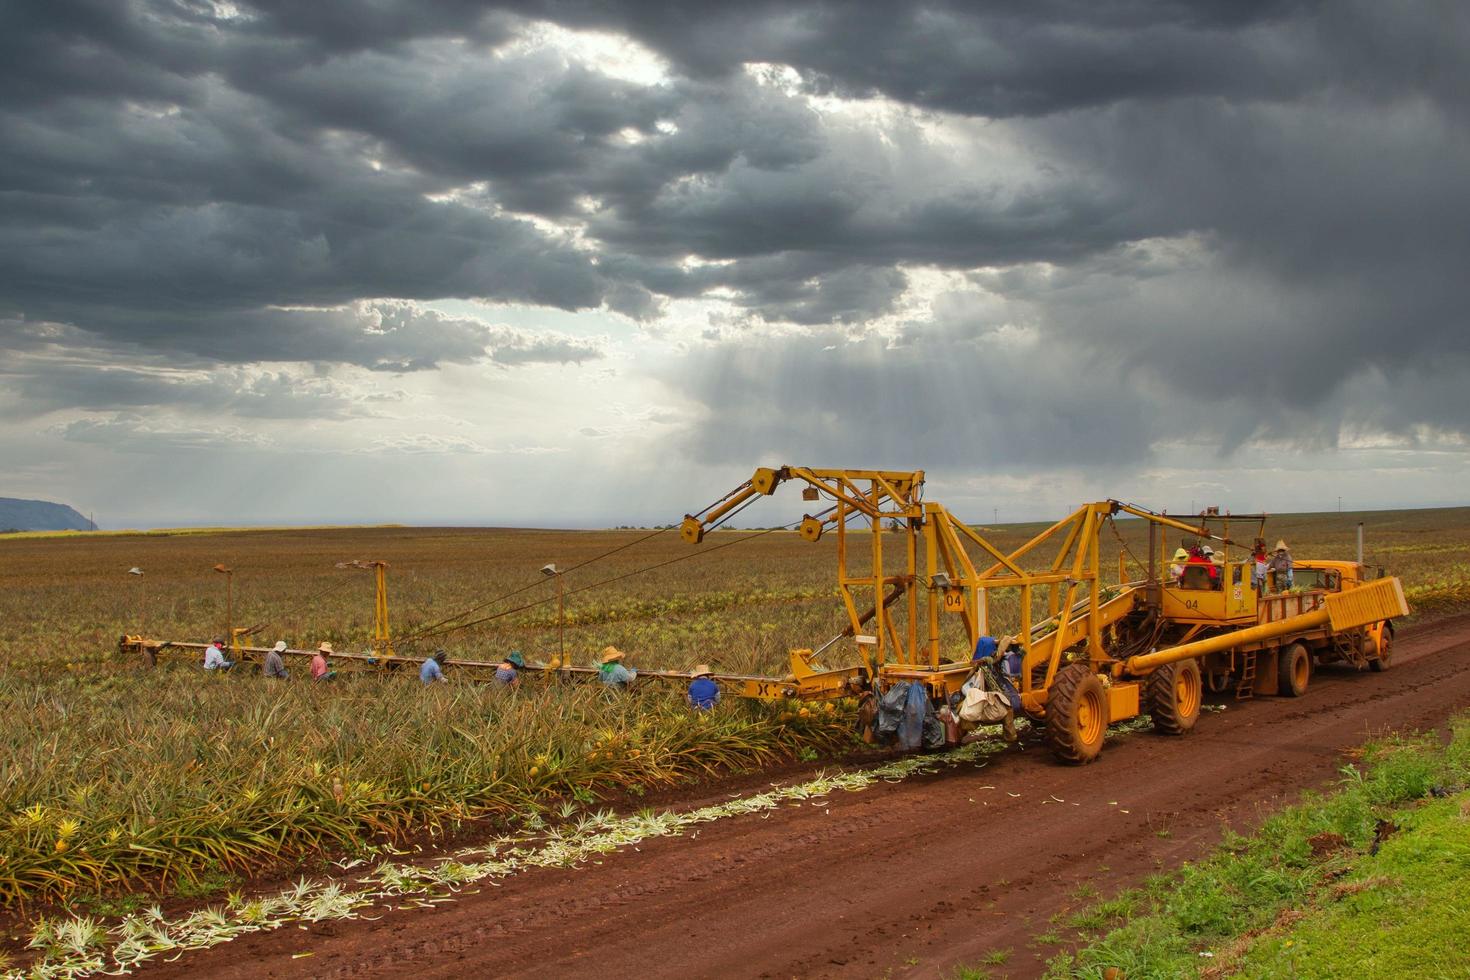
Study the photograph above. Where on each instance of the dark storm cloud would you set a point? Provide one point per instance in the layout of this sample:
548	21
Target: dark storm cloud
46	367
1249	210
963	395
39	388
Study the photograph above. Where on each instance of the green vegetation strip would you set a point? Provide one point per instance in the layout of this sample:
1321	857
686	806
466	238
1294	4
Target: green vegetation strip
1371	880
81	945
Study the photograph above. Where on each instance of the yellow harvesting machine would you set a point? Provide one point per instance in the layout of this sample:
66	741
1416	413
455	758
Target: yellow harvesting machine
1090	653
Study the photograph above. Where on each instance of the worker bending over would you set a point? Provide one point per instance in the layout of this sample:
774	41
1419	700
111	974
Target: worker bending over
704	693
989	696
433	669
274	665
611	671
214	657
508	674
320	670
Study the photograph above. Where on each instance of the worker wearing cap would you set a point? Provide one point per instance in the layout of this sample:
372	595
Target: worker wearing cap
508	674
610	669
214	657
433	668
319	669
274	665
1213	564
1176	570
1280	563
704	693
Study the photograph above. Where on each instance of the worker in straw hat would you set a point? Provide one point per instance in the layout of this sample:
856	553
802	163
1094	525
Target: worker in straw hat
1176	568
610	669
274	665
1280	564
320	671
704	693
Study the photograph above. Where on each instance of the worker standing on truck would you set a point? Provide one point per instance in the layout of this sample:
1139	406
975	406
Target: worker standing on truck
214	657
508	674
611	671
1280	564
1258	568
274	665
704	693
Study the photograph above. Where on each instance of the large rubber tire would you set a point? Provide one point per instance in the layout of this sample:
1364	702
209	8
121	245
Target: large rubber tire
1174	694
1384	657
1293	671
1076	714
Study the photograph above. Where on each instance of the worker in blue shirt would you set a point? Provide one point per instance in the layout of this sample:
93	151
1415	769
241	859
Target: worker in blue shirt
704	693
432	670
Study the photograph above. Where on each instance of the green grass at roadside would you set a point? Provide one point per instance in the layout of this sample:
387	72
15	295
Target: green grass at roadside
1309	894
1404	913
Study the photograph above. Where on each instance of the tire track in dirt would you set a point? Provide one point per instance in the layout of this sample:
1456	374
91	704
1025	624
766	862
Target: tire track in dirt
914	876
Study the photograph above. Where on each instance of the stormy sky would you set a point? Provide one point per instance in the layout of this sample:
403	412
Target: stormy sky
579	263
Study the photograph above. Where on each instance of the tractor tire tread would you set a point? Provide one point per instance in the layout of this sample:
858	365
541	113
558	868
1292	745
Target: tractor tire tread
1061	734
1160	696
1285	671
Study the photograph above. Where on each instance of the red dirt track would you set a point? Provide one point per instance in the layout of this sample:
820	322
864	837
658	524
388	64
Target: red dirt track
913	877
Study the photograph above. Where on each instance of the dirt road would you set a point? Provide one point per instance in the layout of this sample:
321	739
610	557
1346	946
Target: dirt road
911	878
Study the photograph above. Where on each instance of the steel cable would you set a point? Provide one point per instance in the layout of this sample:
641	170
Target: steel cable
596	585
433	629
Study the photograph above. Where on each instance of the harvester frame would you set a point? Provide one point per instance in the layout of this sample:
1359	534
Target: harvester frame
1100	654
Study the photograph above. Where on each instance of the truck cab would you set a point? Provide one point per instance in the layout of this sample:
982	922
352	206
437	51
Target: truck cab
1343	576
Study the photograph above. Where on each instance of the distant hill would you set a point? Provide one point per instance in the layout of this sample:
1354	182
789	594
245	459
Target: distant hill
39	515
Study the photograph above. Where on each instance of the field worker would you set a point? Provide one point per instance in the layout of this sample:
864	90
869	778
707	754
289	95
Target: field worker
214	657
984	648
274	665
979	703
319	669
704	693
508	673
1177	568
1280	563
433	668
611	671
1259	560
